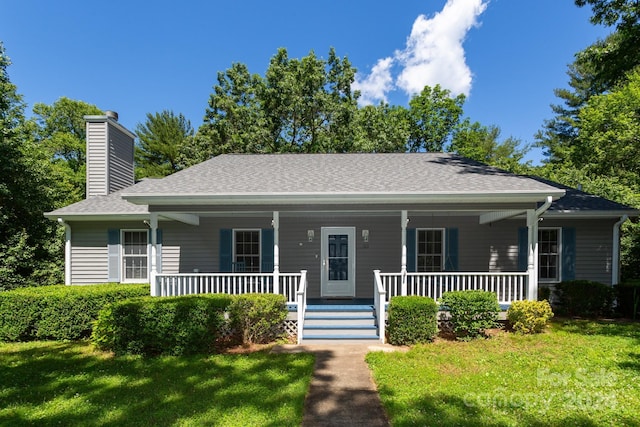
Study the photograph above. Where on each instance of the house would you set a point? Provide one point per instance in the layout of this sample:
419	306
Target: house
332	226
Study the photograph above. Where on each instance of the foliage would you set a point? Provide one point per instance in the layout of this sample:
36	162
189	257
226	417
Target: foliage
381	129
412	319
480	143
57	312
161	326
584	298
60	130
434	116
256	317
162	141
26	191
49	383
529	317
628	299
470	312
578	374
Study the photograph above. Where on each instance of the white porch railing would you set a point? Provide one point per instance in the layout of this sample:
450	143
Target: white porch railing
301	294
228	283
379	299
508	287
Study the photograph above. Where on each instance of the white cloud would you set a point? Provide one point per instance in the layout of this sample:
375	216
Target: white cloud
433	54
376	85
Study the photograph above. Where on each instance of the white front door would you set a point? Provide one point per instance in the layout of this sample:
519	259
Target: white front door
338	262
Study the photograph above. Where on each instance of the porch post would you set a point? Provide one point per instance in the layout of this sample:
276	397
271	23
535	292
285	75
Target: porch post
403	268
532	254
153	224
615	259
275	222
67	251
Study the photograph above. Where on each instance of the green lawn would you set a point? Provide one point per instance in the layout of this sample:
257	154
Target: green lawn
579	373
52	383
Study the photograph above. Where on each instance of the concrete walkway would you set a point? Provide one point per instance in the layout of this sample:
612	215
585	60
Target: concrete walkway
342	392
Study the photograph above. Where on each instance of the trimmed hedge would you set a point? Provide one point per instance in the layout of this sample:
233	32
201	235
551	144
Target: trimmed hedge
412	320
154	326
470	312
584	298
256	317
529	317
57	312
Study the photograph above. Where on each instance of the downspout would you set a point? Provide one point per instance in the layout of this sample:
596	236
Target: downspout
532	265
67	251
615	263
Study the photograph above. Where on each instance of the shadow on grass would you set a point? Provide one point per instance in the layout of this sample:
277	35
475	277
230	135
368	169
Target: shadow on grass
70	384
451	410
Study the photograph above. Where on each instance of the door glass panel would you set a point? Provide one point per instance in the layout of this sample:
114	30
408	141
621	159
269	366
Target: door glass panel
338	257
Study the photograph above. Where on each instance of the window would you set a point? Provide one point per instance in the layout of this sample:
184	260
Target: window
430	251
549	254
247	251
134	255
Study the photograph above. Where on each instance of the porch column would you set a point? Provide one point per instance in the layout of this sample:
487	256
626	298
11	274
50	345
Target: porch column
403	261
532	254
67	251
615	261
153	224
275	222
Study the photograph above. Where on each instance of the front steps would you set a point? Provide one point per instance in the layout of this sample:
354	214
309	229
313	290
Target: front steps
349	323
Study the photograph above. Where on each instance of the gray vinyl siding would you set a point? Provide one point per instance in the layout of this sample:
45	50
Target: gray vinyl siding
489	247
96	159
120	170
594	247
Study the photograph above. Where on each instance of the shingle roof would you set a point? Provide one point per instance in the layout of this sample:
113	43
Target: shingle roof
430	173
113	204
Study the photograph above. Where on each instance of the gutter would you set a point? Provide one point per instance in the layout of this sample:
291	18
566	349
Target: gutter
67	251
615	262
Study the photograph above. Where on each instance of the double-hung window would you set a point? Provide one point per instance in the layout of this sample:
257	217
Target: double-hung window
134	255
430	250
246	251
549	254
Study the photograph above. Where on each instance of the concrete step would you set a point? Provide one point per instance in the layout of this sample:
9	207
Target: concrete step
364	319
340	330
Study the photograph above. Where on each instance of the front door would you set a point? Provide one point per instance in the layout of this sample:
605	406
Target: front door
338	262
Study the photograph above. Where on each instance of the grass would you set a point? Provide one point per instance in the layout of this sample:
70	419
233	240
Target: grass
53	383
579	373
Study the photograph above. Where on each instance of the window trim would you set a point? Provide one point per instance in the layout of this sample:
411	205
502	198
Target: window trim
123	277
443	254
558	278
233	245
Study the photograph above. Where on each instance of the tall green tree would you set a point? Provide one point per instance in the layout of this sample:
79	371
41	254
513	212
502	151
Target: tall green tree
481	143
382	129
162	143
434	116
28	252
60	130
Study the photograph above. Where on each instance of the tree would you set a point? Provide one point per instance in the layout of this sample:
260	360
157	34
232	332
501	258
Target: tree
162	142
26	253
480	143
60	130
382	129
434	116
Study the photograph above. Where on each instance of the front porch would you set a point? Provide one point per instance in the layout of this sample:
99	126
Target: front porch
369	314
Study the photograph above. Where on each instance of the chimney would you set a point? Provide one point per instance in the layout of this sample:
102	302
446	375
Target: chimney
109	155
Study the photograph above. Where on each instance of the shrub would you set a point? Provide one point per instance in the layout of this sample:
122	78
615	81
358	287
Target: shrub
471	312
529	317
584	298
57	312
628	299
257	317
154	326
412	319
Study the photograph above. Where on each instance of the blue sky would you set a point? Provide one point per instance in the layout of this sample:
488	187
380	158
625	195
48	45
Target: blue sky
138	57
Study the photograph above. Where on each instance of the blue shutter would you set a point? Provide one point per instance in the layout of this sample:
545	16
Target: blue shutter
451	259
267	250
113	257
411	250
568	253
523	253
226	250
